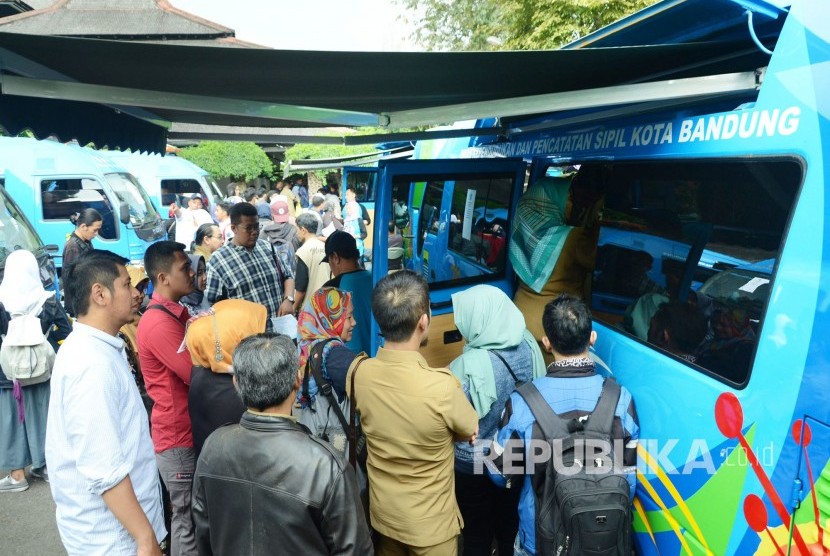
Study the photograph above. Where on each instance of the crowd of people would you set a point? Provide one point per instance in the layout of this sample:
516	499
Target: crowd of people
264	443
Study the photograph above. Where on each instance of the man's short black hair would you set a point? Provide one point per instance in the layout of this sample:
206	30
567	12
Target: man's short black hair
567	324
398	302
97	266
242	209
160	257
685	324
250	195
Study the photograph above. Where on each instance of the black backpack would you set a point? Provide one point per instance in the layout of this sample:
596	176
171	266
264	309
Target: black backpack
587	510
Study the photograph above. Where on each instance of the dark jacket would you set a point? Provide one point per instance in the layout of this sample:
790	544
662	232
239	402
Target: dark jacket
267	486
72	250
52	316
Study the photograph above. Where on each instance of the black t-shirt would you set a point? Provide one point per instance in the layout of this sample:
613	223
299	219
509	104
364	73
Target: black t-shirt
301	276
364	214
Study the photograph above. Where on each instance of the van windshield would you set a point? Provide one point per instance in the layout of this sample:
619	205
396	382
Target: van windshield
15	230
128	190
214	188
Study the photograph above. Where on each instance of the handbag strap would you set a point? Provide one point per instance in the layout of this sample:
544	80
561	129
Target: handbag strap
509	369
168	311
315	370
353	412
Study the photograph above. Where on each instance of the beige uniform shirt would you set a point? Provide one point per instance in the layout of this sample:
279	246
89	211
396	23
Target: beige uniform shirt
410	414
312	253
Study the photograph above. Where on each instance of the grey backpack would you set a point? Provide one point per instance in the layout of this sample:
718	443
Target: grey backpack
585	509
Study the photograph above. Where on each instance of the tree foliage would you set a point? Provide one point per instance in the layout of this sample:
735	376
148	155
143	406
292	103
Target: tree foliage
512	24
456	24
227	159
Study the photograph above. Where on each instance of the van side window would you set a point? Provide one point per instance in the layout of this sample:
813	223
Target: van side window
364	185
458	230
63	197
704	233
173	189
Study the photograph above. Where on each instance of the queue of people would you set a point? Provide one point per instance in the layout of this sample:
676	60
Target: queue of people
313	446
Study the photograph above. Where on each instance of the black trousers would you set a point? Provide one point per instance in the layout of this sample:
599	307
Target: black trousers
489	513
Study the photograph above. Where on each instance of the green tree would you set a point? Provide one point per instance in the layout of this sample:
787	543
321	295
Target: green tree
456	24
227	159
512	24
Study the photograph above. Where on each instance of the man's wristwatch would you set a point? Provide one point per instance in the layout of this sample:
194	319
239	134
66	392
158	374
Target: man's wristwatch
290	298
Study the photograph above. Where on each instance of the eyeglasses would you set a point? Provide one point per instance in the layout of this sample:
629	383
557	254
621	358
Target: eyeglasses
248	229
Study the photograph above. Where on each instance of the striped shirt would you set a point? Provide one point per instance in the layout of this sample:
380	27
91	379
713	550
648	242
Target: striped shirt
235	272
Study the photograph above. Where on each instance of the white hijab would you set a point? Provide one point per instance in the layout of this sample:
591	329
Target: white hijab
21	289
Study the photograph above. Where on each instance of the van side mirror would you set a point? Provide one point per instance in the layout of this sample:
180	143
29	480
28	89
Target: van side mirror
124	212
51	248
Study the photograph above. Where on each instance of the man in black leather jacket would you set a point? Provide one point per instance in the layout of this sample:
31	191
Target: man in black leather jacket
266	485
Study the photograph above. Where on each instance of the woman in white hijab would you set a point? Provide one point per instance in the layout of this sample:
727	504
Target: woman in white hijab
23	409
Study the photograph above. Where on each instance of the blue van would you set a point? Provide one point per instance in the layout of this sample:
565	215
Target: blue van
168	179
725	196
51	181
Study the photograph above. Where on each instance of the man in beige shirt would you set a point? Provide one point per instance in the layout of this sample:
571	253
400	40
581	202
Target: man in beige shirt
311	272
411	414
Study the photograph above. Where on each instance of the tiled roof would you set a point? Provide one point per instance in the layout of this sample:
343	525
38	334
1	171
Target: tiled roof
116	19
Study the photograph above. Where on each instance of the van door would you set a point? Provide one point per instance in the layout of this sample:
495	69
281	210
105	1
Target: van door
364	182
452	221
811	486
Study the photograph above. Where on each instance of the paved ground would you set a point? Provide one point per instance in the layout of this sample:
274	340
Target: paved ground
27	522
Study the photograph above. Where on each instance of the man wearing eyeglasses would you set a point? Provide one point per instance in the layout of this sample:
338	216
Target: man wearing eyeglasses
249	268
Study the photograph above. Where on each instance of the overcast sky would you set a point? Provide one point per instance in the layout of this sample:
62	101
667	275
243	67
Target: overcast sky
310	24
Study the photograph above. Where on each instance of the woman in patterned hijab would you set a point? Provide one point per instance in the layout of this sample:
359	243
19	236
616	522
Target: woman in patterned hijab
325	324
